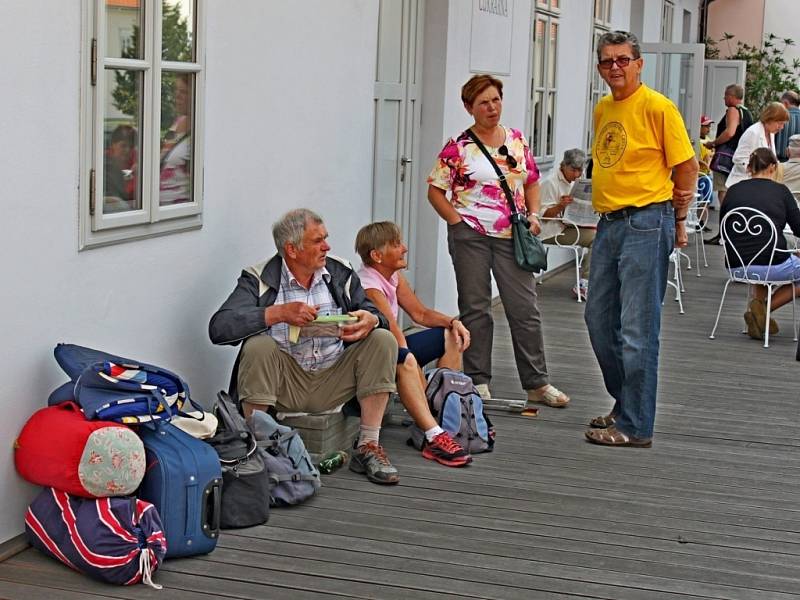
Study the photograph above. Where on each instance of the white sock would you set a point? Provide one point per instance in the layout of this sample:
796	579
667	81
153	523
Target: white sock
368	434
433	432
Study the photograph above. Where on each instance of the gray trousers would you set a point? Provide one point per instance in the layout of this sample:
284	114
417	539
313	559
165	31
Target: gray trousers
474	257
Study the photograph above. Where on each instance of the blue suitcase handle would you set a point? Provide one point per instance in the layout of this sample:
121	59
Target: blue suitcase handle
212	508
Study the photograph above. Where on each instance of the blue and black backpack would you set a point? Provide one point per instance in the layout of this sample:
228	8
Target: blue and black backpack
458	408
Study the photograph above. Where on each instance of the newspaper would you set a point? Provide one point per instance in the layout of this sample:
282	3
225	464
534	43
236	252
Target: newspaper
580	212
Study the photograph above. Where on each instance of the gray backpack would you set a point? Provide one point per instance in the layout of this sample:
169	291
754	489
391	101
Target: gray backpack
294	478
458	409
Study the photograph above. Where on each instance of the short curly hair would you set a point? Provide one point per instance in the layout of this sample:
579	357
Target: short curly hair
476	85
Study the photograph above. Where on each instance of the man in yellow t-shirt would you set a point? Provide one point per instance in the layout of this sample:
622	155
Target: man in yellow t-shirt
643	180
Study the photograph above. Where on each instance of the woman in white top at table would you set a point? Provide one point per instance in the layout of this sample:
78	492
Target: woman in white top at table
758	135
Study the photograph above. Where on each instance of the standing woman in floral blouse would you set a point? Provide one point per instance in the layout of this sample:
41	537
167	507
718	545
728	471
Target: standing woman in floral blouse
479	238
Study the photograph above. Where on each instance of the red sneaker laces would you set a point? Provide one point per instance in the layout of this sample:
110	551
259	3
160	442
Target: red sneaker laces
377	450
448	444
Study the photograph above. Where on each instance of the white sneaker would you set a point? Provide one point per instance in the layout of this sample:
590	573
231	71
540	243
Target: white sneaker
483	391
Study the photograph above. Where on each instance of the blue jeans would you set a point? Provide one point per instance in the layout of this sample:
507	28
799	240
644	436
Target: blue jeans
627	282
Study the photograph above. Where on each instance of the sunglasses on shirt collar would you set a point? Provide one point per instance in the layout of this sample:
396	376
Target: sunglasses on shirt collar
510	160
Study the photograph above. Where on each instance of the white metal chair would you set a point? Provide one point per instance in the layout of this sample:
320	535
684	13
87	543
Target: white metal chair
694	227
578	251
751	221
698	216
677	278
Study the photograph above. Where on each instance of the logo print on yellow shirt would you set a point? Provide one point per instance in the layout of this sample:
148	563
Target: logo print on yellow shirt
610	144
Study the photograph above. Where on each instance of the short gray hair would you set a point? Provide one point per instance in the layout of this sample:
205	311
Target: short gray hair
289	229
793	148
791	97
574	158
616	38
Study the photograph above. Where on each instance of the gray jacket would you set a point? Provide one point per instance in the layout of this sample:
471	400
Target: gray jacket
242	314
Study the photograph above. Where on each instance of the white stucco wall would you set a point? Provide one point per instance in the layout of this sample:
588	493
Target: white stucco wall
447	51
781	17
283	129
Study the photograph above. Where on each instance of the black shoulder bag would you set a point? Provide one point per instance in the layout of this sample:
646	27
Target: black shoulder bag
529	251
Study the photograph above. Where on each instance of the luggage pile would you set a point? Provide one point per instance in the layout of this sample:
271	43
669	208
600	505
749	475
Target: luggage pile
131	477
123	487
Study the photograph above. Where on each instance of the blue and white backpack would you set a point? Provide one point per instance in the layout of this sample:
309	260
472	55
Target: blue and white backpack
458	408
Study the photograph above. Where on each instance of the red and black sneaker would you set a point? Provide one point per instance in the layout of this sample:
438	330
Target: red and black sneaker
446	451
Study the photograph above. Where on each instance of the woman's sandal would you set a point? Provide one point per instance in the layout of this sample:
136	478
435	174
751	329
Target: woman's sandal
602	421
551	396
610	436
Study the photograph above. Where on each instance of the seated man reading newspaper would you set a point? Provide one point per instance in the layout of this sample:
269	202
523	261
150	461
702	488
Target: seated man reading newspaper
567	213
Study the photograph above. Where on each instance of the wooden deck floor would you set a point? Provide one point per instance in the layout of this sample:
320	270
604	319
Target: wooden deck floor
711	511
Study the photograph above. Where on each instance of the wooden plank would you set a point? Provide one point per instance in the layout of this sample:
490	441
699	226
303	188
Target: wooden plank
28	591
481	573
687	553
484	538
191	579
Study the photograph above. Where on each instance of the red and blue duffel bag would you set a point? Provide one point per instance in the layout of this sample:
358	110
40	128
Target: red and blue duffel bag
59	448
115	540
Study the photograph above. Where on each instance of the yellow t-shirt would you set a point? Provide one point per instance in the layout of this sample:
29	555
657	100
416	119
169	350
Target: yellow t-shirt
705	156
637	141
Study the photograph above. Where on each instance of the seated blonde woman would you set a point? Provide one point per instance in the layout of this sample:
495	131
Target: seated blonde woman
383	253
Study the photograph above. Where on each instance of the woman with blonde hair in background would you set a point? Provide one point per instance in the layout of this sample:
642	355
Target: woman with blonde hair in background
759	135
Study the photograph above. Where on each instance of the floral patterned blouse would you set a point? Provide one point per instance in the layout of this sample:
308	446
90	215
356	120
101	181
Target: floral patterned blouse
462	169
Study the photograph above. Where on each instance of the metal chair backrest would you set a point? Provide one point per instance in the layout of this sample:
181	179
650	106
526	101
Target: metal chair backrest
695	216
705	187
747	221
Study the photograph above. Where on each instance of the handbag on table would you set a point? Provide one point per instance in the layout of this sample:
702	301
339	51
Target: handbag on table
529	252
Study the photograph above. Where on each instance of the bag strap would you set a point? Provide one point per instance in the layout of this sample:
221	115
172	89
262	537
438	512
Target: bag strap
235	461
276	439
291	477
500	175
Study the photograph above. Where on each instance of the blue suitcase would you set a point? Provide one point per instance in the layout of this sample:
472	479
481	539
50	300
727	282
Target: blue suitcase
183	480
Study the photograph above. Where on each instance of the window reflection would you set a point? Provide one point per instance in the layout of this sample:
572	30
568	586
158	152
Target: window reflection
177	26
175	181
121	141
123	28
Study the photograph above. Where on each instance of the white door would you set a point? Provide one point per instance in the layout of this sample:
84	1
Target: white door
398	93
676	70
717	75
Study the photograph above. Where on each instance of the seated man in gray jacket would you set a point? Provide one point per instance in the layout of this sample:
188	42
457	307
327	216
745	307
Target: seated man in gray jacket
310	374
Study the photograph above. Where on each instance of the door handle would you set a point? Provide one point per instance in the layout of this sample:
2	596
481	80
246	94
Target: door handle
404	160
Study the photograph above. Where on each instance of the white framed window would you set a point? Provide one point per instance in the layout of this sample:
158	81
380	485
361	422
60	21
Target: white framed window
601	20
544	80
602	14
142	109
667	21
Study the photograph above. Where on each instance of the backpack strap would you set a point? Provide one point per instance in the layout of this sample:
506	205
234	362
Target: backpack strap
291	477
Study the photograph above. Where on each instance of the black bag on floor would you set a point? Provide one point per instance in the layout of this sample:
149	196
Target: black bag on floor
245	480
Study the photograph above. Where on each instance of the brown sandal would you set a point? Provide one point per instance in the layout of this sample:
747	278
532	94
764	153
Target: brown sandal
610	436
602	421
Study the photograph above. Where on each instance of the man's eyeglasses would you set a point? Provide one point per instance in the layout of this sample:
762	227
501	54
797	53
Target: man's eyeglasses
621	62
510	160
